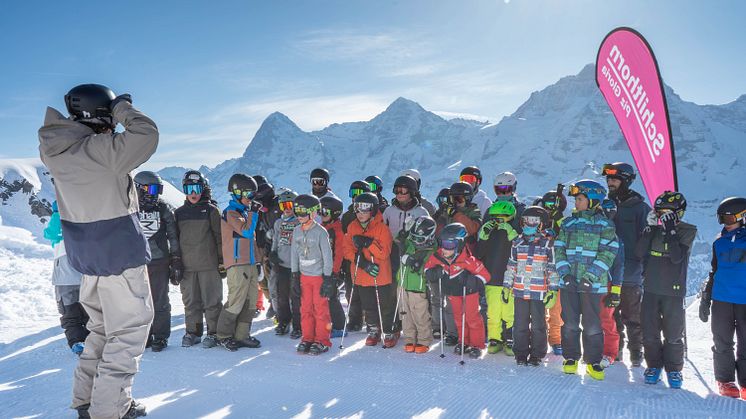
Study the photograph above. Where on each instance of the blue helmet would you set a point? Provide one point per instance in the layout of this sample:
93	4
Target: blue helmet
594	191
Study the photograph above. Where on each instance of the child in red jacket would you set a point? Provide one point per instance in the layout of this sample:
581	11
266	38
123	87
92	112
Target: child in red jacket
331	211
461	277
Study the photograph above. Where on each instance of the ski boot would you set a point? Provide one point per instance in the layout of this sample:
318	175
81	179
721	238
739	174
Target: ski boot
229	344
494	346
257	312
675	379
282	329
190	340
158	344
596	371
210	341
409	348
296	334
83	411
635	357
457	349
374	337
421	349
390	339
303	347
652	375
78	348
521	362
474	352
570	366
136	410
318	349
743	393
249	342
436	334
557	349
509	347
534	361
728	389
606	362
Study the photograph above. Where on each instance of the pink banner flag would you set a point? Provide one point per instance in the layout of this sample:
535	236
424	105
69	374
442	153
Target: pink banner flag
628	76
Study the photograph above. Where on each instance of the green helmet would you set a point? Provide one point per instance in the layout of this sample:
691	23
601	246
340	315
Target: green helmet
501	209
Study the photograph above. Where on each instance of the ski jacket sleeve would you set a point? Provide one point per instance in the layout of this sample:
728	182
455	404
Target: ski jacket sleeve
560	253
552	277
326	252
172	232
216	233
512	267
294	257
380	249
608	247
276	234
679	244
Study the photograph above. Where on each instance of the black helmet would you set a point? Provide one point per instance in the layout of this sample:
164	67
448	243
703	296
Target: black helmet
149	186
442	197
242	185
320	173
306	204
265	192
461	189
551	199
357	187
673	201
423	231
194	182
453	237
619	170
732	210
535	213
260	180
332	205
88	101
472	171
366	202
408	182
376	184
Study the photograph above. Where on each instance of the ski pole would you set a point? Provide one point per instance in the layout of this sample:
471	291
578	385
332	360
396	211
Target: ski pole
398	293
378	303
349	304
441	302
463	321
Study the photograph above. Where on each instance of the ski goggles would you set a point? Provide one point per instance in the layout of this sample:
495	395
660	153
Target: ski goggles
244	194
401	190
373	186
531	221
304	212
154	189
470	179
356	191
450	244
498	218
441	200
728	219
574	190
610	170
318	181
503	189
457	199
192	189
286	205
549	204
326	212
363	207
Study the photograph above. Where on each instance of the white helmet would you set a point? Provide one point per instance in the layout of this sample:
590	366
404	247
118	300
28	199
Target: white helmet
413	173
505	182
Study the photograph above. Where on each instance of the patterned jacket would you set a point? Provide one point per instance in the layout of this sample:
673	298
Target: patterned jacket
586	248
531	271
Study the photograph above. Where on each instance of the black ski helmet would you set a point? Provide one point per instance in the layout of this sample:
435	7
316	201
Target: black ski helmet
306	204
423	231
462	189
194	177
357	187
242	184
406	182
537	211
442	197
320	173
376	184
366	201
453	234
333	205
732	210
552	199
673	201
260	180
149	186
620	170
473	171
88	101
265	192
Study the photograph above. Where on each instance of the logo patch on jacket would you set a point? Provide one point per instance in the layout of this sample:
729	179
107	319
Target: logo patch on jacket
150	222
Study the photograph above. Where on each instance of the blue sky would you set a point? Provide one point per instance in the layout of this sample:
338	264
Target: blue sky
210	72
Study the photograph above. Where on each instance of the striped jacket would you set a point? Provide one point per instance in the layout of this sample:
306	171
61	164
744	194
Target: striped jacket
586	248
531	271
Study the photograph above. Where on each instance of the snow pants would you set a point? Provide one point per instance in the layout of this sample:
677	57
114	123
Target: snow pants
554	321
73	317
354	306
288	302
529	329
499	313
238	312
414	310
727	319
582	308
627	317
120	309
315	319
158	272
202	295
336	311
663	314
611	336
369	303
473	333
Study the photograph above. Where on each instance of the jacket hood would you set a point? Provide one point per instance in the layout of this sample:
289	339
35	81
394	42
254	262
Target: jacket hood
60	133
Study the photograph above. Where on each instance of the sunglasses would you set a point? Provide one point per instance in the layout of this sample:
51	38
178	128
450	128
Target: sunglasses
400	190
154	189
503	189
363	207
244	194
356	191
192	189
318	181
286	205
470	179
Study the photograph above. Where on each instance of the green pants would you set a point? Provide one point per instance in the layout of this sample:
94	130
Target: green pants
238	312
499	313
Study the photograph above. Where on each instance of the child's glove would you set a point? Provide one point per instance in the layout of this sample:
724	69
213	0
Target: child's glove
295	276
704	306
613	299
433	275
361	242
222	271
327	287
486	229
176	273
369	267
550	299
669	221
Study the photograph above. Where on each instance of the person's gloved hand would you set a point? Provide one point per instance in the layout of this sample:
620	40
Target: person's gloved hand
508	229
550	299
669	221
652	219
222	271
176	273
327	286
473	283
449	209
255	206
274	258
295	276
486	229
505	294
361	242
126	97
434	274
585	284
613	299
705	301
509	278
569	282
369	267
414	264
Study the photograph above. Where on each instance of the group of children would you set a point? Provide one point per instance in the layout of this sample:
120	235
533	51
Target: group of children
472	273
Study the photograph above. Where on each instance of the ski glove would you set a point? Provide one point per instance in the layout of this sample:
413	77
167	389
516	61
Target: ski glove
486	229
414	264
613	299
295	276
704	306
121	98
369	267
652	219
585	284
222	271
327	287
434	274
508	229
361	242
274	258
669	221
569	282
472	283
505	294
550	299
255	206
176	271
